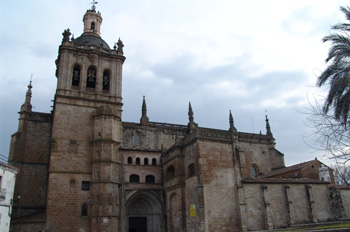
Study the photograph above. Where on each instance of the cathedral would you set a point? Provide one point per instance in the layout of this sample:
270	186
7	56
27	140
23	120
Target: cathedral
83	169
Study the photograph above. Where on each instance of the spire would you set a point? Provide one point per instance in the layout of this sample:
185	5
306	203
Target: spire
232	126
190	113
144	119
27	106
268	129
191	124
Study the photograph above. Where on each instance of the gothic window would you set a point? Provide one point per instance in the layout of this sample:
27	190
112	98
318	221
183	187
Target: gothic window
105	81
150	179
84	209
134	178
154	161
91	78
191	170
170	173
129	160
85	185
76	76
92	26
145	161
138	161
254	171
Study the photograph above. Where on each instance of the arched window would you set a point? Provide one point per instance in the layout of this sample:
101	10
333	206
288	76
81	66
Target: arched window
170	172
91	78
191	170
254	171
145	162
92	26
84	209
138	160
154	161
76	76
129	160
134	178
150	179
105	80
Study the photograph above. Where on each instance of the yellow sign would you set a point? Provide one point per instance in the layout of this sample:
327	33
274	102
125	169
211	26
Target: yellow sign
193	210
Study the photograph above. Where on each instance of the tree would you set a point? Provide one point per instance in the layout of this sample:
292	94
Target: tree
337	74
341	174
328	135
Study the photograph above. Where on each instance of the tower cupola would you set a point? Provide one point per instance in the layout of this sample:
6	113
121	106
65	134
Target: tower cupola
92	23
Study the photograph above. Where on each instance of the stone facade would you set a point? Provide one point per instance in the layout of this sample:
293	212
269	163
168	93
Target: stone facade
83	169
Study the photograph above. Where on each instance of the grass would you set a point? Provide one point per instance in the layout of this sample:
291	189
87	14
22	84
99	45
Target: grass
326	227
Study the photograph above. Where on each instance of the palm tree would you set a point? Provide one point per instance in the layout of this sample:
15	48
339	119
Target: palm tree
337	74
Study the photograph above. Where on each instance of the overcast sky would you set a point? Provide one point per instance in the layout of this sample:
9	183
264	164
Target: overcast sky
250	57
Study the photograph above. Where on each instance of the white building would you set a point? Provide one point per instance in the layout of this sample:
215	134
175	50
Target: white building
7	185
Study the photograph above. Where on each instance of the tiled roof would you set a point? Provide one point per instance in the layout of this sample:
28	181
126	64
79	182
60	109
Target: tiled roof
289	169
283	181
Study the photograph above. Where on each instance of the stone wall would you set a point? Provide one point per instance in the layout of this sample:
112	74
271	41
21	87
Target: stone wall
277	205
257	154
152	136
345	196
29	152
70	164
64	205
220	195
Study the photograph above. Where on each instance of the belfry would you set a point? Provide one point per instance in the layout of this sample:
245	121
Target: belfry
82	168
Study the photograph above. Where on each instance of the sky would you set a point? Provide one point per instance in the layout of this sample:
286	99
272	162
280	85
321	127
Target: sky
251	57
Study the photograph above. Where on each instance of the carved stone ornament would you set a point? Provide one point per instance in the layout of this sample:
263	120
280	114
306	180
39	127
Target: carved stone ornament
73	147
54	145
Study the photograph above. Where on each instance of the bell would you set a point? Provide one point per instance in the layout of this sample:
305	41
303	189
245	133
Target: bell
91	79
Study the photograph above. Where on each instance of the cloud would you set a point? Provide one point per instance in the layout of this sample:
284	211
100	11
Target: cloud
244	56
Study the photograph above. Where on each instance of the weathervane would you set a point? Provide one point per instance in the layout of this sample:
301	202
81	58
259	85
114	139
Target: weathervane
93	4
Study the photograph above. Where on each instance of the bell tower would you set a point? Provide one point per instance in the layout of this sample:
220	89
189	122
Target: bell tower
84	166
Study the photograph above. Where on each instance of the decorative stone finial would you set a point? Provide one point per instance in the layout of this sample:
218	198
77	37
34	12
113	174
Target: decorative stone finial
27	106
268	129
144	119
66	34
120	45
190	113
232	126
191	125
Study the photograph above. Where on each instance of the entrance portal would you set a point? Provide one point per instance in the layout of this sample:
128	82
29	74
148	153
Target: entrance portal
144	213
137	224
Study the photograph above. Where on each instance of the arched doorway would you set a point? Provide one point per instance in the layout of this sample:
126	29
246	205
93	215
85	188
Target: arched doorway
144	213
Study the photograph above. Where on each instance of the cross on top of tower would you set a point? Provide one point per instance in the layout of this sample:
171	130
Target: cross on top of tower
93	5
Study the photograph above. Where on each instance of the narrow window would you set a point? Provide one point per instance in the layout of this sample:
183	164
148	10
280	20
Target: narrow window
145	161
92	25
150	179
138	161
134	178
85	185
76	76
91	78
170	172
137	138
154	161
191	170
105	81
129	160
253	171
84	209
